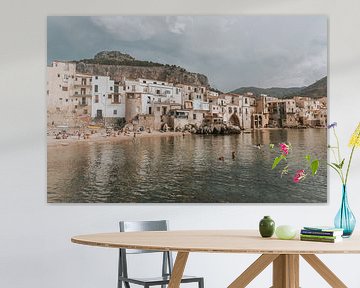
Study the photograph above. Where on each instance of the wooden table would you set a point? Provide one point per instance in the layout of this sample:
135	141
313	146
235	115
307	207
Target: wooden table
284	254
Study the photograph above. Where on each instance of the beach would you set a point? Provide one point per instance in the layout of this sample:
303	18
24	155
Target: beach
113	137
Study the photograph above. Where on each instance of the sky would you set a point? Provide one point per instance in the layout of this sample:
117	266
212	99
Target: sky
232	51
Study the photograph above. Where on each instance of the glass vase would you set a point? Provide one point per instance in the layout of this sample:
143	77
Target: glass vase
345	219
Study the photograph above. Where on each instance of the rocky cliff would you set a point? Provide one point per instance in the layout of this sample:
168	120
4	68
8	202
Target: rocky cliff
119	66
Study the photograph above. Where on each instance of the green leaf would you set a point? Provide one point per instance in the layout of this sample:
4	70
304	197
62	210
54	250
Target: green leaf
314	166
271	146
342	164
277	160
336	165
308	158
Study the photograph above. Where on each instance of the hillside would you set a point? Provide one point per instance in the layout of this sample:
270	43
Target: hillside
273	91
118	66
315	90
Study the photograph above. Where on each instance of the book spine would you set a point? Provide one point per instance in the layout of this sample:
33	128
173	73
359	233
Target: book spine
319	236
318	239
320	233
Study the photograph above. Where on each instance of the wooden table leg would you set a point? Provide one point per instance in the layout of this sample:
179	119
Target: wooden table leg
324	271
253	270
178	270
286	271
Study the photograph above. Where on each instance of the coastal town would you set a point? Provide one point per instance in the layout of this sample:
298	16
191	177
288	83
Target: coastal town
85	102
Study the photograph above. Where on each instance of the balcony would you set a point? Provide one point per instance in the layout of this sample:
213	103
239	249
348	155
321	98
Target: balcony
82	85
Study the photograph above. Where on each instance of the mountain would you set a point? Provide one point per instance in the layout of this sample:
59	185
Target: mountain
315	90
273	91
119	66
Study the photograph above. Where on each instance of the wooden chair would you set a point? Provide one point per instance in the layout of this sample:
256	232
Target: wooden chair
167	262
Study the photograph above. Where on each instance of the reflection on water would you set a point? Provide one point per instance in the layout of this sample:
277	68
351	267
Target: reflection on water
186	169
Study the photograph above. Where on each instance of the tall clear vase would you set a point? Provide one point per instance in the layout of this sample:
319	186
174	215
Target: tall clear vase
345	219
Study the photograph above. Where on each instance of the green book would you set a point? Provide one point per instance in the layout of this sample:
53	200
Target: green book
325	240
323	228
319	236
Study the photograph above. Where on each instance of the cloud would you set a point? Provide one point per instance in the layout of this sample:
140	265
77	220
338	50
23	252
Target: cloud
232	51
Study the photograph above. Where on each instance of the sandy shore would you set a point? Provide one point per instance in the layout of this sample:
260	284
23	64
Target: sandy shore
101	137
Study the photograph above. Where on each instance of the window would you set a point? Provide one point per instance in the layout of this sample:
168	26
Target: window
111	88
115	112
96	98
158	109
76	106
60	99
144	81
76	93
116	89
157	91
116	98
133	88
83	101
96	88
246	101
58	75
109	97
96	77
66	100
194	116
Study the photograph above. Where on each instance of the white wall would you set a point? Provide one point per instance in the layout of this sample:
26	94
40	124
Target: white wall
35	248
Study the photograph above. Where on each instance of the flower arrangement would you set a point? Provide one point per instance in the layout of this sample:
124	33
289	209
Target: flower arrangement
311	167
339	163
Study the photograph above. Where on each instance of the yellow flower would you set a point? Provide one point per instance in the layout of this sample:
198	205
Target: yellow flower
355	138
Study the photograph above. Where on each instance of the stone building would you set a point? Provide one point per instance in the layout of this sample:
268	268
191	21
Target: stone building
60	88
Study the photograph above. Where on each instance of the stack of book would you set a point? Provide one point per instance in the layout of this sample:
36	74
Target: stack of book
321	234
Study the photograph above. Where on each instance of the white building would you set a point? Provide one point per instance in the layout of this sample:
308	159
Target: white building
153	92
108	99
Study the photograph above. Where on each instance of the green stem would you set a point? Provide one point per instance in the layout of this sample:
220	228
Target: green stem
337	171
337	142
348	167
340	159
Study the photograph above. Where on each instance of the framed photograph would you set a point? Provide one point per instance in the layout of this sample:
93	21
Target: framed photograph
186	109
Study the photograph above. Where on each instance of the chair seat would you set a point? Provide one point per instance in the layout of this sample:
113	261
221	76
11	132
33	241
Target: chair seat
158	280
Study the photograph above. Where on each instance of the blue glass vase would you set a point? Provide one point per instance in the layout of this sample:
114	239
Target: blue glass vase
345	219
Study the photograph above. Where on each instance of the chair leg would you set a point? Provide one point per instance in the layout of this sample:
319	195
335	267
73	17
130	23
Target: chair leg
201	283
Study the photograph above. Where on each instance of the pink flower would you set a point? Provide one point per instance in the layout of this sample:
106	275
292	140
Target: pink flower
299	175
284	148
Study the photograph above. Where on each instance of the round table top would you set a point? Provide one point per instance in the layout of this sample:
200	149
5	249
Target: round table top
219	241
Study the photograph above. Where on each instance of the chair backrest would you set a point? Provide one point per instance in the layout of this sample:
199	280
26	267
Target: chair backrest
134	226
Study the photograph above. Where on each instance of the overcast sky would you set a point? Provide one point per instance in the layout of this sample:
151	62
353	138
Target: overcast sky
233	51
